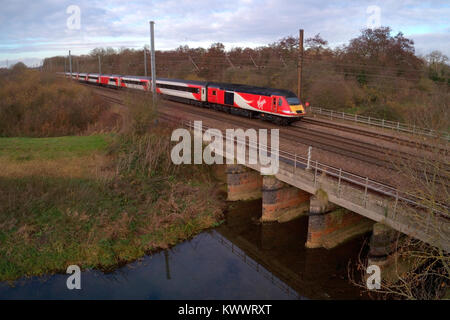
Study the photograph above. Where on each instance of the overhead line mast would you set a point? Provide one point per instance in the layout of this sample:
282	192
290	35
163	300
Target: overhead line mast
152	46
300	64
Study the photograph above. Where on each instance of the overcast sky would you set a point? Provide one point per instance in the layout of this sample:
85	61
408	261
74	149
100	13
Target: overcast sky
33	30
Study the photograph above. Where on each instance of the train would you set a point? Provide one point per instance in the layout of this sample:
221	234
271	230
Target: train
279	106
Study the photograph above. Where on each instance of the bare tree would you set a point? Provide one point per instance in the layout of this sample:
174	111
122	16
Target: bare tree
421	270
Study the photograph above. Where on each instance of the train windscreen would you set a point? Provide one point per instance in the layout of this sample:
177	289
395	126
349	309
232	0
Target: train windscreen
293	101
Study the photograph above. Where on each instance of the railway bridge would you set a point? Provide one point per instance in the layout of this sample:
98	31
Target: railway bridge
340	205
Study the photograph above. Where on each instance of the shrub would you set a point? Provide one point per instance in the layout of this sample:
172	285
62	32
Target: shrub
332	92
37	104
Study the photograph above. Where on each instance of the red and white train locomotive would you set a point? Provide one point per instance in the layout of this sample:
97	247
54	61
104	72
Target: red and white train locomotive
279	106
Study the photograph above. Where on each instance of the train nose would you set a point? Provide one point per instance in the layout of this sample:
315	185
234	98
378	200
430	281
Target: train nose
299	109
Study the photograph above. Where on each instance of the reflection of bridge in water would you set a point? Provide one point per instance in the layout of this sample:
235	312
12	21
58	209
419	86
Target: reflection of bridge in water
255	265
298	271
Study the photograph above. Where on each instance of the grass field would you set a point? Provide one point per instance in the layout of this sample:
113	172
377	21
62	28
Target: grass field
71	156
72	196
25	149
94	201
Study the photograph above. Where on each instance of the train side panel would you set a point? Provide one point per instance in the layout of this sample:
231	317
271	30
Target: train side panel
265	102
134	83
180	90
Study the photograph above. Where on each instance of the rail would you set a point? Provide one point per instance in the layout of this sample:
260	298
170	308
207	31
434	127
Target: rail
341	176
382	123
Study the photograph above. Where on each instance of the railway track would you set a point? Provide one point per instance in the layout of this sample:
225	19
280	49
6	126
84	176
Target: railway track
377	152
363	151
336	174
302	137
296	136
369	133
112	99
373	154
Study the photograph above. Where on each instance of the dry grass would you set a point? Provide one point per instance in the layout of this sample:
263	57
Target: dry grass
43	105
69	200
83	167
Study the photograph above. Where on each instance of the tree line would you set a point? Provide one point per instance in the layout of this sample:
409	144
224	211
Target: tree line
376	74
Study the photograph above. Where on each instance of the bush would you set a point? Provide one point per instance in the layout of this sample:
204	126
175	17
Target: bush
37	104
333	92
389	111
142	114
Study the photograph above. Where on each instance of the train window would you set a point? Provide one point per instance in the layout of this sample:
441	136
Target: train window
136	82
280	102
214	92
293	101
178	88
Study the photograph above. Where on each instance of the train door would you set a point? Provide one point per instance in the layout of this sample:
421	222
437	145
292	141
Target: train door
229	98
203	94
274	104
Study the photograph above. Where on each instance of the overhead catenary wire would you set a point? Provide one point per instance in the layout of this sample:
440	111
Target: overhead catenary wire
238	60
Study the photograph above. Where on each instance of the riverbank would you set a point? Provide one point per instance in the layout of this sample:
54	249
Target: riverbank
96	201
95	186
240	259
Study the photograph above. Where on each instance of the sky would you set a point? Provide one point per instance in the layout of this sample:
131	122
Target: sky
33	30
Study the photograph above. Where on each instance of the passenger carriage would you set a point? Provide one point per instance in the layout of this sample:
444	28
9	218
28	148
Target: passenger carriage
135	82
276	105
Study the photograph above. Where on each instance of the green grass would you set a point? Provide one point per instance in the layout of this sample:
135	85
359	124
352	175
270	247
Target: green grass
52	148
49	222
95	201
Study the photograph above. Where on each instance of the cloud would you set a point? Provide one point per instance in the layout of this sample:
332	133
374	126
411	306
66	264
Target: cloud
39	28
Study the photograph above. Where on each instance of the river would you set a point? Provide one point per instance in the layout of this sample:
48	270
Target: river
241	259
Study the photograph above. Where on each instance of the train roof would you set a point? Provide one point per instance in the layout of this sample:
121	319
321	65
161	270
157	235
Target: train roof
137	77
220	85
239	87
111	75
251	89
198	82
103	74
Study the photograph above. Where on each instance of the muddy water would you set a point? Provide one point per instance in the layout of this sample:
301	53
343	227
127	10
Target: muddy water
239	260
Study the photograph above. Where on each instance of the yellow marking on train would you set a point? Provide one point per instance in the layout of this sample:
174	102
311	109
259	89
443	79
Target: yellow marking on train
295	108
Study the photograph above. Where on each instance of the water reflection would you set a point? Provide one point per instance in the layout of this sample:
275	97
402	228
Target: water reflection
280	248
239	260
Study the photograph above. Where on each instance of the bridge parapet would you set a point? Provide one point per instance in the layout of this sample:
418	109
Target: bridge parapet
373	200
371	203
